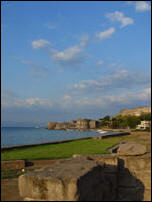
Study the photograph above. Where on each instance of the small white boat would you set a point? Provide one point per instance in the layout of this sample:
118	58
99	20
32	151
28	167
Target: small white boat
37	127
101	131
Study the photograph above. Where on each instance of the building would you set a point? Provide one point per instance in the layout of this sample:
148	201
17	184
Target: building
62	126
144	125
93	124
135	111
51	125
82	124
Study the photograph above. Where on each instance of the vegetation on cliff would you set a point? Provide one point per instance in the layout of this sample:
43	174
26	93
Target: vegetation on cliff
128	121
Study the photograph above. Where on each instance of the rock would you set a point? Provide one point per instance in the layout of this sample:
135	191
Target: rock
131	149
77	156
97	138
75	179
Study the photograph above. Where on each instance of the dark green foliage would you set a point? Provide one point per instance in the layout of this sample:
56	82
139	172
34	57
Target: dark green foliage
106	118
105	122
145	117
125	122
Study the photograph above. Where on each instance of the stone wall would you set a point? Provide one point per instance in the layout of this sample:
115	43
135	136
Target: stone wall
133	175
88	178
12	165
138	186
135	111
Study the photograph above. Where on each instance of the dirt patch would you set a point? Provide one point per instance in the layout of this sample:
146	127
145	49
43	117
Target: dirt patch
9	187
9	190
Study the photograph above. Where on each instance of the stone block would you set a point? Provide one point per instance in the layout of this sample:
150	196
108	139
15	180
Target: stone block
134	163
147	195
131	149
144	177
76	179
107	159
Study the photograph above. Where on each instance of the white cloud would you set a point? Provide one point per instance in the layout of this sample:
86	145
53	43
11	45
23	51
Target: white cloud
106	34
69	56
26	103
84	39
120	17
41	43
72	107
142	6
124	98
100	63
119	79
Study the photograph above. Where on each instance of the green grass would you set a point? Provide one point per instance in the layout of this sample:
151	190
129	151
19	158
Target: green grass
62	150
66	150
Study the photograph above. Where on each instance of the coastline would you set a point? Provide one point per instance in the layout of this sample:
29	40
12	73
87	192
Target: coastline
101	135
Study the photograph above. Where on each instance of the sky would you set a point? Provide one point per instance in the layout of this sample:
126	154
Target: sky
67	60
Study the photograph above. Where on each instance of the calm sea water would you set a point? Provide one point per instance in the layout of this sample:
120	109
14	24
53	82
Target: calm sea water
12	136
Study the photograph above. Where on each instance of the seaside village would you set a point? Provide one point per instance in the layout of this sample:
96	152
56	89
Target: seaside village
87	169
87	124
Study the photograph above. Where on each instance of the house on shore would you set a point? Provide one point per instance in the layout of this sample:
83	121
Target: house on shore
82	124
144	125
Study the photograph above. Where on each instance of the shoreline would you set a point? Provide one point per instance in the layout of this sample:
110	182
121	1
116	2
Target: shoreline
101	135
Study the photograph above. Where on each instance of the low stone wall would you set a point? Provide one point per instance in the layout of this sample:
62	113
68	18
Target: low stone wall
133	175
12	165
117	134
93	177
139	186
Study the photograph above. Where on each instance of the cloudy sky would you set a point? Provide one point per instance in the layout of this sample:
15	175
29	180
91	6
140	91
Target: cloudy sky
65	60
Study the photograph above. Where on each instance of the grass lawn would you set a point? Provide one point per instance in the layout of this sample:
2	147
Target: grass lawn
66	150
62	150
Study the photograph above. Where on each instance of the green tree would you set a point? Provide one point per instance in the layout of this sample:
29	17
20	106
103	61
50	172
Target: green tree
106	118
145	117
133	121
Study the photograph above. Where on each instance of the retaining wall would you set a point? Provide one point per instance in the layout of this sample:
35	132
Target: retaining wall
125	178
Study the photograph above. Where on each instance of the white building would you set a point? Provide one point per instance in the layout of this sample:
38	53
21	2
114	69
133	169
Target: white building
144	125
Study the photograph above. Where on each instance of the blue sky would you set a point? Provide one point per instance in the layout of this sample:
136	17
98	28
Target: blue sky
65	60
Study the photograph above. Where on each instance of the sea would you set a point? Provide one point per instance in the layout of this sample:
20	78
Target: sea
12	136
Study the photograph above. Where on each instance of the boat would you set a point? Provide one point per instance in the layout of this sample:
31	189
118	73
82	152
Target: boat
101	131
37	127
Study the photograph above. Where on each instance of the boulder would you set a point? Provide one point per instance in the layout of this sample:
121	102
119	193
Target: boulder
77	156
75	179
130	149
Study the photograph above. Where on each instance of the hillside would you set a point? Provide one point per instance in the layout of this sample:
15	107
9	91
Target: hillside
135	111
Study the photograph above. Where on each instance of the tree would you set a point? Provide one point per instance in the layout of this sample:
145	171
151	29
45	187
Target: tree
145	117
106	118
133	121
